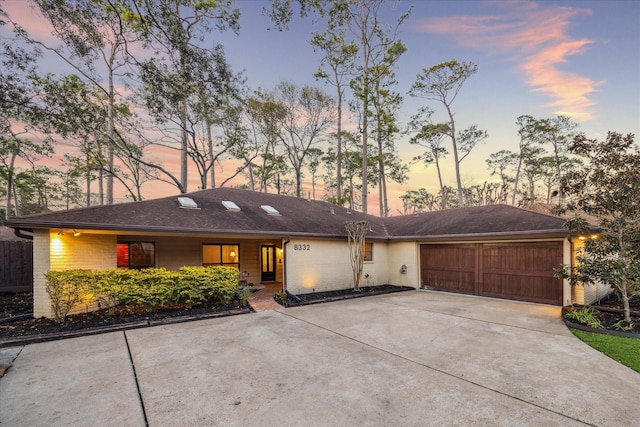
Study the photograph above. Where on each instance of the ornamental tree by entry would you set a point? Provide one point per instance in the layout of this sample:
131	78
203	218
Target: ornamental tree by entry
357	231
606	187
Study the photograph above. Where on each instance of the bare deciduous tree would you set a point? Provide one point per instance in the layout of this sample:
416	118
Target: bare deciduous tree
357	231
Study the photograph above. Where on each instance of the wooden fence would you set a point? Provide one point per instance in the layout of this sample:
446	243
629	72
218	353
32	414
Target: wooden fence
16	266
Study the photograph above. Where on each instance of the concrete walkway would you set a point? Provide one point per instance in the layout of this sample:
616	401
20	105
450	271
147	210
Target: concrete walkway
407	359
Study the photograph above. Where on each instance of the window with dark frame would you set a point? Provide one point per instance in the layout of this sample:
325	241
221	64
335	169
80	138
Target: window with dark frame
367	251
221	254
136	254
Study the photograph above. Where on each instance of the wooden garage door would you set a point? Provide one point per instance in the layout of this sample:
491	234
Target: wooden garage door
519	271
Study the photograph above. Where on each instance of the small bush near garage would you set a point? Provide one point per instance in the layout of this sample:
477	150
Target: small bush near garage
150	288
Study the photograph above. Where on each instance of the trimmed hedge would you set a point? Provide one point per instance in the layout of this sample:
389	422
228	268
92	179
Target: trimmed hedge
150	287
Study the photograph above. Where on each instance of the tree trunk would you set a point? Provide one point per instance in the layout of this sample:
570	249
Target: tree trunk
101	186
212	157
365	161
356	231
339	152
365	119
454	145
515	181
381	188
298	182
110	133
15	197
10	184
88	177
184	147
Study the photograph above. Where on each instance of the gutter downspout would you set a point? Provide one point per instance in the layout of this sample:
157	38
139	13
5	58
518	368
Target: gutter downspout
18	233
284	263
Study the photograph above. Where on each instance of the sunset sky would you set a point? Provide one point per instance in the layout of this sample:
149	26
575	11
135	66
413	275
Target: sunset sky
576	58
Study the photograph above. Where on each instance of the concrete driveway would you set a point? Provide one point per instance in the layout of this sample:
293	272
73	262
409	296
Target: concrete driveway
409	359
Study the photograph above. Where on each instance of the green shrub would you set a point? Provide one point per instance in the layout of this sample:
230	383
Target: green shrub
243	295
198	284
67	288
586	316
280	297
623	325
117	287
156	287
151	287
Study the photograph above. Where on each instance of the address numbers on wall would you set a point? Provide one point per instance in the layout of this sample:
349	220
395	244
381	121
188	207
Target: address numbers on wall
301	247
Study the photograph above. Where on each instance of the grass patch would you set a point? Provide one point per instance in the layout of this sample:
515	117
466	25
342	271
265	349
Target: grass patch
624	350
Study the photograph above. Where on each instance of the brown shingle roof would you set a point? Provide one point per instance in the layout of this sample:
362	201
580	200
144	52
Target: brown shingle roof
297	217
477	220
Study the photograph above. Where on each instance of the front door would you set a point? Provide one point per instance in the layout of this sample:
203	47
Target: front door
268	258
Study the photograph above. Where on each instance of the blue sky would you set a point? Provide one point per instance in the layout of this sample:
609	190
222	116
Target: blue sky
578	58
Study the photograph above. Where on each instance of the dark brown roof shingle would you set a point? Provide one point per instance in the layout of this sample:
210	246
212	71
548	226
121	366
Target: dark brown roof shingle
475	220
298	216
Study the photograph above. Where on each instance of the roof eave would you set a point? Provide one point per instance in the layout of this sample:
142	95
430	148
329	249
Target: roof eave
486	236
45	225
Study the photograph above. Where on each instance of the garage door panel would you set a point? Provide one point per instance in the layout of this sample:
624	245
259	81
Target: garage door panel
449	257
448	267
521	288
452	281
519	271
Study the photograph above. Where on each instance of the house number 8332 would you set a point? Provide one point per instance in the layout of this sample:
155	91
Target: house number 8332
301	247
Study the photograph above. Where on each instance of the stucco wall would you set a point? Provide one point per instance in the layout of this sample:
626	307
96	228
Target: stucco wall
407	254
317	265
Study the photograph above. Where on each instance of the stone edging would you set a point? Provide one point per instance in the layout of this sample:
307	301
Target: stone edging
602	331
346	297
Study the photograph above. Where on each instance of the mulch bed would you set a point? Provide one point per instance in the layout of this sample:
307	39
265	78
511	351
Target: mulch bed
609	312
20	305
320	297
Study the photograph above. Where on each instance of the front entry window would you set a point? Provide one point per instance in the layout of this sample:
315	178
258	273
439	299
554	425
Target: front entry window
221	254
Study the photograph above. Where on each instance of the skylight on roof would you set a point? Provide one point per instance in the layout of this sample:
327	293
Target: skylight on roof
270	210
230	206
187	203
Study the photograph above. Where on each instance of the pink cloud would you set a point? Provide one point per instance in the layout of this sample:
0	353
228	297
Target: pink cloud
535	37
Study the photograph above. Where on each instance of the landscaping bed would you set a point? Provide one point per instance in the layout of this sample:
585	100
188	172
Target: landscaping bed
19	305
320	297
606	316
17	321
